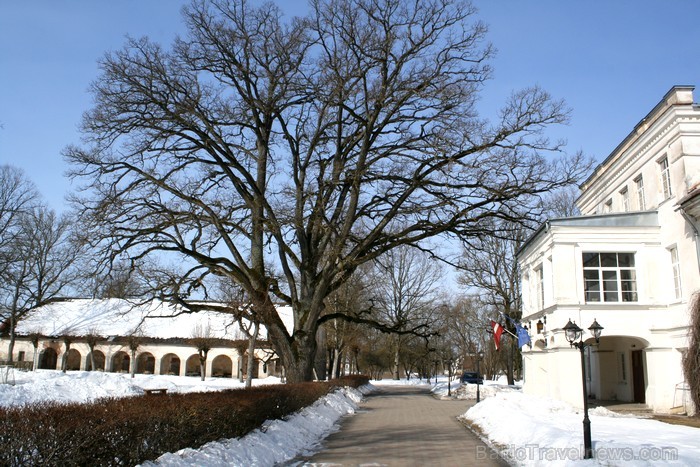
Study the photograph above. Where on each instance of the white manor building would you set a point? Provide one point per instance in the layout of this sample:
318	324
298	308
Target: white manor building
631	261
162	337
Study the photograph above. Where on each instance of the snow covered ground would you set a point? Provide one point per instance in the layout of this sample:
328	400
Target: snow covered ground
527	430
533	431
84	386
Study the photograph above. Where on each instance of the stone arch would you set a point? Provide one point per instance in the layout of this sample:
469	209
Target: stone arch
256	367
120	362
48	359
73	360
99	361
145	363
222	366
170	364
192	365
617	369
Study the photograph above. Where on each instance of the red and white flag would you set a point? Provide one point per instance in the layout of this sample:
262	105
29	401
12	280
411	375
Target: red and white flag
497	331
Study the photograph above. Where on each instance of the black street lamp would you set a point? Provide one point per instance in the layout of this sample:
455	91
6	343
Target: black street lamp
574	336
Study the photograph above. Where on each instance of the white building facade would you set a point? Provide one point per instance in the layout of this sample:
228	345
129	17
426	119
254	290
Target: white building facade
631	261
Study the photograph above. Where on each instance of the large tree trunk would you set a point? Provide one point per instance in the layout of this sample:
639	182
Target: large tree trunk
132	364
92	358
11	346
296	355
202	364
251	354
335	371
297	358
64	358
397	358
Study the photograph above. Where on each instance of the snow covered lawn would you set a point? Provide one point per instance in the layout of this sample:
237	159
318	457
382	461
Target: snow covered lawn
85	386
533	431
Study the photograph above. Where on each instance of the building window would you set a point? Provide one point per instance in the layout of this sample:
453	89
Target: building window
639	181
665	177
20	356
539	277
607	207
625	196
622	367
609	277
675	263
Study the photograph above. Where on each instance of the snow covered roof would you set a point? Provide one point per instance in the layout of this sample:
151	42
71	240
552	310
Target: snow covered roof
118	317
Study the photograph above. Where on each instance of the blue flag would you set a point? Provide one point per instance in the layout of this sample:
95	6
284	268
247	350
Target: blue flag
523	336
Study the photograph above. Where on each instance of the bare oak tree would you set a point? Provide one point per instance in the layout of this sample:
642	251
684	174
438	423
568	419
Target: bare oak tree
489	268
406	296
315	145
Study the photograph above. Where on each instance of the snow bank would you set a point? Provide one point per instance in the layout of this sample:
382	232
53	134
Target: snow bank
54	386
278	440
533	431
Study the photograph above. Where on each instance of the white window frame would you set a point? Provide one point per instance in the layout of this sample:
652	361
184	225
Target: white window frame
665	168
676	267
622	366
601	281
607	207
539	279
639	181
625	196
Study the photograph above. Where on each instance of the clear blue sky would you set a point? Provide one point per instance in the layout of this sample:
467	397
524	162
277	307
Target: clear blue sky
612	61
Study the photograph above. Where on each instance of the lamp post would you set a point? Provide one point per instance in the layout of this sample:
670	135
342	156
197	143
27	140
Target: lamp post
449	377
479	355
574	335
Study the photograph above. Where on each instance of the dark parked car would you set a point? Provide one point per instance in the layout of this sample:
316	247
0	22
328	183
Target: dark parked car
471	377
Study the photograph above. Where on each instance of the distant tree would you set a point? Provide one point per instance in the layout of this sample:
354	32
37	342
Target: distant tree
241	347
374	356
203	340
317	144
118	280
464	324
351	299
252	339
92	338
560	203
40	268
34	338
489	268
133	342
406	296
18	197
239	306
67	341
413	352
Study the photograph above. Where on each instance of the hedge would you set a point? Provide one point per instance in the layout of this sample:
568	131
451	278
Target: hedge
131	430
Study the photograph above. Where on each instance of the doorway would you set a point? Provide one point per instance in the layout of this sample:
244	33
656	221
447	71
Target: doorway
638	385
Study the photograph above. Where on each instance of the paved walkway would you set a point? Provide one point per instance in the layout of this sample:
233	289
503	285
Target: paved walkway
404	426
